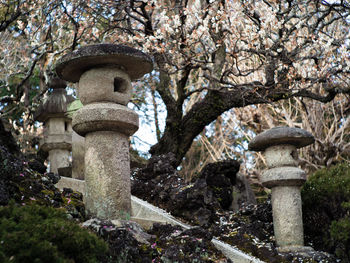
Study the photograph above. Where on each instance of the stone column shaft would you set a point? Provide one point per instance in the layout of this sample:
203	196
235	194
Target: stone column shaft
58	158
78	153
107	174
287	216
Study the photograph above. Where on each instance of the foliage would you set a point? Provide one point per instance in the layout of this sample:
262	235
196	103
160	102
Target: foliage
340	233
326	197
35	233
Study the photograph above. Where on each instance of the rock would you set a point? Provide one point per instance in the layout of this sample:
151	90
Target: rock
198	232
242	193
24	185
37	165
7	140
220	177
197	202
227	168
126	240
54	178
173	244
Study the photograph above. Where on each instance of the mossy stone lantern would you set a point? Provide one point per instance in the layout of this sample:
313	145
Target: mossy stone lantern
104	73
57	140
279	146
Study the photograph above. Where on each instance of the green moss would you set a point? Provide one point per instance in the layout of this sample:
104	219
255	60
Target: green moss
48	193
35	233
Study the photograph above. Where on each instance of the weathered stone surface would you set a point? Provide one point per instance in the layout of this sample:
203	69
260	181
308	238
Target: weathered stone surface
25	186
281	135
287	216
301	250
281	155
105	117
58	158
55	104
104	73
197	201
56	141
242	193
58	125
283	176
279	146
75	184
134	62
116	86
221	177
78	155
107	175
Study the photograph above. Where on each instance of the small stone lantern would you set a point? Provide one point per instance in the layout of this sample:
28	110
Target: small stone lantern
57	139
104	73
279	146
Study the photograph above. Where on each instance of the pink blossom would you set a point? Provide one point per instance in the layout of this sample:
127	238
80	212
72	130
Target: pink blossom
153	245
69	200
21	175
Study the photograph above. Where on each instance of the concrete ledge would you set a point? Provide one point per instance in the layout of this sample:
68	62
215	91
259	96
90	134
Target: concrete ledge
75	184
143	209
146	214
234	254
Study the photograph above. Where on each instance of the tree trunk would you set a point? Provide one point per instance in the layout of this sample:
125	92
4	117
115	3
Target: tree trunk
181	131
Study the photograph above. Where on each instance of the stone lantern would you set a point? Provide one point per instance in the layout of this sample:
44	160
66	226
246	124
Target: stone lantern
104	73
57	139
279	146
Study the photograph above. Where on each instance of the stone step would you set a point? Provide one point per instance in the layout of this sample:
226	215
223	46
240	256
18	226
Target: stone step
146	214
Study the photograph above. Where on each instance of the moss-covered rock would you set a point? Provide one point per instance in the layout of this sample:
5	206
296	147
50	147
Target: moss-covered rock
18	181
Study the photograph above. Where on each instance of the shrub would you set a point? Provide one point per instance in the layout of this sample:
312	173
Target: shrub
340	234
326	210
41	234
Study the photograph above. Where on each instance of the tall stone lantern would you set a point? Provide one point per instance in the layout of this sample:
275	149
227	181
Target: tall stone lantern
57	140
104	73
279	146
